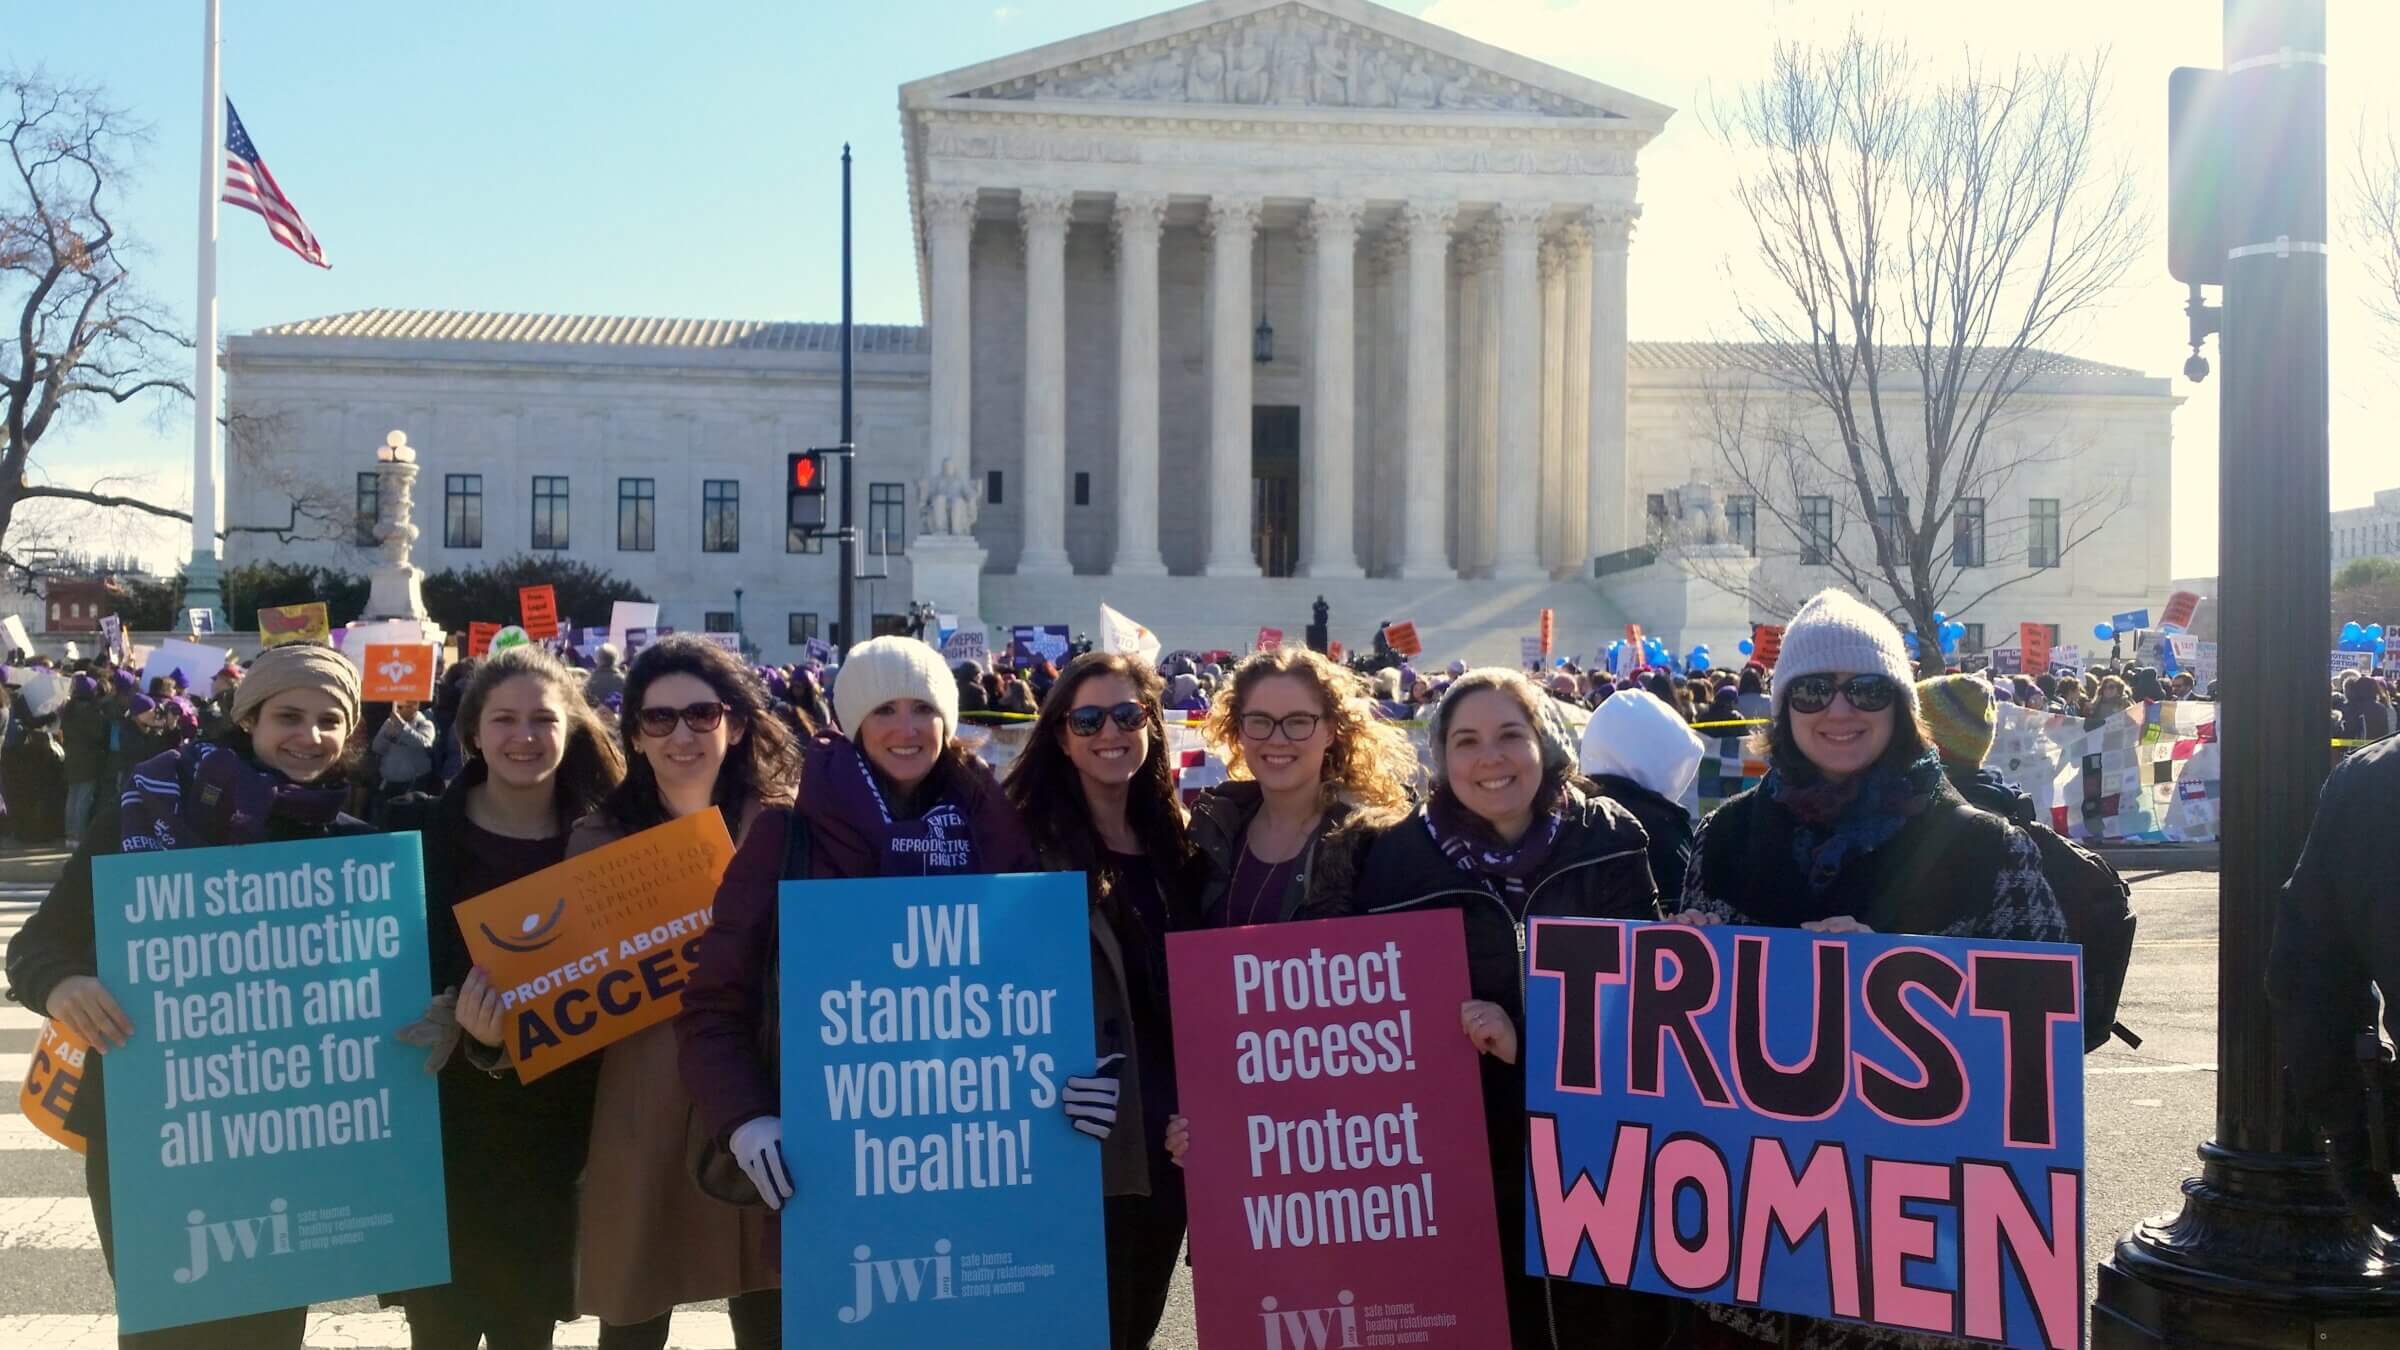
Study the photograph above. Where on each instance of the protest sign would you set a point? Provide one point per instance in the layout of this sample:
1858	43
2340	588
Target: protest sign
1340	1183
2204	665
510	635
199	664
2186	649
1529	651
819	649
281	625
119	642
2067	657
537	611
731	642
967	644
929	1025
2362	662
397	672
626	615
1877	1128
2132	620
43	692
1766	643
1028	643
2181	607
479	638
2007	661
589	952
1119	633
1403	638
1333	648
272	1141
18	639
200	622
1268	640
1549	631
52	1075
2033	641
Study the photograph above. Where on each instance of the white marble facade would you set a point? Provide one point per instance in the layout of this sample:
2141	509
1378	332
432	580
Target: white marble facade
1452	426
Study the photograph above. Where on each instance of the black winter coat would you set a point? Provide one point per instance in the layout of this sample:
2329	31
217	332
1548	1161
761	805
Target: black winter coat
1667	825
2337	930
1328	870
1988	791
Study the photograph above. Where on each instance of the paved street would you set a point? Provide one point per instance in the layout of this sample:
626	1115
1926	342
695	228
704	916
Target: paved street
2148	1109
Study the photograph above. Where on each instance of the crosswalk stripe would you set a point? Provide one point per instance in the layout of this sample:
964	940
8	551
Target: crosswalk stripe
13	1069
17	1135
386	1330
48	1223
16	1018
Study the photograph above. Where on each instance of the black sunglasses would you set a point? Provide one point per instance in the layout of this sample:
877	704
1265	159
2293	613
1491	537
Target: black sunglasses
1086	720
1867	693
700	717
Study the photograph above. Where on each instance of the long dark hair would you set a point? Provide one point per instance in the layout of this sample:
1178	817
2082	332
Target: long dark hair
592	766
763	765
1048	791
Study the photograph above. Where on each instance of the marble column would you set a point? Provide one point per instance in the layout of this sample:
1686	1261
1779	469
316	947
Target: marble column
1575	437
1466	484
1608	484
1487	401
1391	398
1043	215
1333	391
1428	226
1232	223
1515	556
949	237
1139	216
1552	266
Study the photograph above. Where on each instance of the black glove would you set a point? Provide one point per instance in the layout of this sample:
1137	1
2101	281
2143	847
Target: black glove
2368	1191
1091	1102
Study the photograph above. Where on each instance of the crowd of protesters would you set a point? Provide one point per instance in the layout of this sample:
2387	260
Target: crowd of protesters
1552	793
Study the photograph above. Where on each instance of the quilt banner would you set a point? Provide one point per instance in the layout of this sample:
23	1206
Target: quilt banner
1879	1129
942	1196
1341	1190
273	1141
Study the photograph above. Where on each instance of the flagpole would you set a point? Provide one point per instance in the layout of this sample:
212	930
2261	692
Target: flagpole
201	576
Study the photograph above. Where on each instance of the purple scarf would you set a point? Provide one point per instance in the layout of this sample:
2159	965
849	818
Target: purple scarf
1469	842
202	795
842	788
1836	820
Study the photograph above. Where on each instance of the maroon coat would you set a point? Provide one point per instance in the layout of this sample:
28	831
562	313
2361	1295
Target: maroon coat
724	1055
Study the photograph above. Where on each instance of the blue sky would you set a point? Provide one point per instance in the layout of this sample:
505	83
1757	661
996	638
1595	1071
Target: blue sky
645	158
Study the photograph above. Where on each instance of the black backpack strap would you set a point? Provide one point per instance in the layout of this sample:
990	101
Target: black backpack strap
795	847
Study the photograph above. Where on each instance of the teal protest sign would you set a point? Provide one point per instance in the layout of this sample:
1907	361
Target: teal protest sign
270	1143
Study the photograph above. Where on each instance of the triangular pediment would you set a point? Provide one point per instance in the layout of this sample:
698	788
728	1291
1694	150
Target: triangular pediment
1276	55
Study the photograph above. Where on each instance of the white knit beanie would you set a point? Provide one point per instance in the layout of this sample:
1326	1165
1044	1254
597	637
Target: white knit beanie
1836	632
885	668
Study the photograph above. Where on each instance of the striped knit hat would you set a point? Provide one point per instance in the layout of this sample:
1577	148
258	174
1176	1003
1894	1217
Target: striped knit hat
1958	711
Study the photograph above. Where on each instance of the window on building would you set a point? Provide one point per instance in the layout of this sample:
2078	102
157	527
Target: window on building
369	508
637	515
1741	521
991	488
1966	540
799	627
1816	531
1889	511
2041	533
719	621
887	526
1655	510
1083	489
1971	640
462	510
720	516
549	511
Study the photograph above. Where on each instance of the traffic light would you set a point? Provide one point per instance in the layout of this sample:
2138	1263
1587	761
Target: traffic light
805	472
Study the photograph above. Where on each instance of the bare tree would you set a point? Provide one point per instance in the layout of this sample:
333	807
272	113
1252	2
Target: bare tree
1921	241
85	335
2373	218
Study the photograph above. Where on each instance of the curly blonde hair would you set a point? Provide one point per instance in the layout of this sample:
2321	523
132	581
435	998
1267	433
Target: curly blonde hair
1368	761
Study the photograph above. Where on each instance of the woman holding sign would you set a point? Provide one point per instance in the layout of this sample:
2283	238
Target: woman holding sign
1099	794
699	735
1855	829
536	761
1511	833
898	795
286	744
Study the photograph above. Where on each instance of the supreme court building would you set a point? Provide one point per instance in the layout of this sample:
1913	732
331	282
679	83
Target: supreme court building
1222	309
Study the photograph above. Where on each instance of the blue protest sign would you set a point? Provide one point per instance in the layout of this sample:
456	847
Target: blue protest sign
1028	643
1879	1129
2132	620
271	1143
940	1196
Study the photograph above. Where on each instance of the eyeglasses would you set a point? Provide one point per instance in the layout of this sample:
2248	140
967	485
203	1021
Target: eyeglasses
1085	721
1867	693
1297	727
700	717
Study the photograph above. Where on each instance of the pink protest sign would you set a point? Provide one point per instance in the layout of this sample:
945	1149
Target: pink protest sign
1341	1189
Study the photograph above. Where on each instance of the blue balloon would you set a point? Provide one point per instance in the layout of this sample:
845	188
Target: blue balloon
1699	661
1939	617
2103	631
1745	646
2351	630
2375	630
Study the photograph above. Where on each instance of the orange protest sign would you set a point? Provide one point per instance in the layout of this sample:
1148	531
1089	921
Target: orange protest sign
52	1074
479	638
397	672
1766	643
2034	640
1403	637
1268	640
1549	631
279	625
537	611
1333	649
593	950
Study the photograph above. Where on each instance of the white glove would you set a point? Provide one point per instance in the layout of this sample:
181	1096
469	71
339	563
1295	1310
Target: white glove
757	1144
1092	1102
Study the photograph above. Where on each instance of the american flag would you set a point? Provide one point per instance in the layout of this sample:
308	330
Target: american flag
249	186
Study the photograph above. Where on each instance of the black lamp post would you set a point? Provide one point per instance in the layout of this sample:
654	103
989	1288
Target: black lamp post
1262	338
